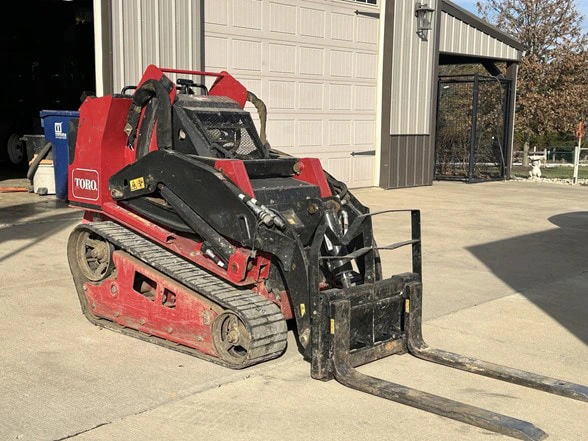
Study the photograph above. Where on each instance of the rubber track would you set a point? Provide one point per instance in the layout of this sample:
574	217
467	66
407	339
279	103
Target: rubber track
262	318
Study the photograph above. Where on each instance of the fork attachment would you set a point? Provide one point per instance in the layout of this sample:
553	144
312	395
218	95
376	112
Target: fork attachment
364	323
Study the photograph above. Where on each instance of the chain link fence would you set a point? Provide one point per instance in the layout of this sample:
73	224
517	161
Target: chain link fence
471	139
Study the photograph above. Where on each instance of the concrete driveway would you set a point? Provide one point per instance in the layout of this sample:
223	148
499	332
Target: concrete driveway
505	268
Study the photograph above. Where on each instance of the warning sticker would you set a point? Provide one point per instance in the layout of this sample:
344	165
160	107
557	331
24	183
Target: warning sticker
137	184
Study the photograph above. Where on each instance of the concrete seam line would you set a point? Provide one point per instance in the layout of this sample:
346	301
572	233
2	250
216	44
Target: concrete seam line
258	371
36	282
234	378
509	343
19	224
81	432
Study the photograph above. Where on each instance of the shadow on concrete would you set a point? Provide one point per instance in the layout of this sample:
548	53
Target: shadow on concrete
17	223
549	268
21	211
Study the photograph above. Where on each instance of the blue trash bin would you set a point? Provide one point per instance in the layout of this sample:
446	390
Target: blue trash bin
55	125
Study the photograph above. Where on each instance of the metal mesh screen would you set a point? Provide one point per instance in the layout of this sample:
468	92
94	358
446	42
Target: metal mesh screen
471	131
233	131
454	124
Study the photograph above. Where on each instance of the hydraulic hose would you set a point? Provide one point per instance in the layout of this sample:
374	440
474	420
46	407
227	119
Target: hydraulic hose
262	112
35	164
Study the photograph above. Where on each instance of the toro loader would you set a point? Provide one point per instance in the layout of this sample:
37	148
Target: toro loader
199	237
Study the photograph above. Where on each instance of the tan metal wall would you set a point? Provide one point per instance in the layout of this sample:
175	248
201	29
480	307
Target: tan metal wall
409	79
412	69
162	32
460	38
411	161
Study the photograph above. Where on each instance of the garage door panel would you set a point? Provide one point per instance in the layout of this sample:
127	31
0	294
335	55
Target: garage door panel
342	26
283	95
366	65
360	169
341	63
310	133
364	98
366	31
340	133
340	168
216	53
310	96
340	96
312	61
216	12
282	58
246	55
283	18
252	84
247	14
314	64
282	133
364	133
312	22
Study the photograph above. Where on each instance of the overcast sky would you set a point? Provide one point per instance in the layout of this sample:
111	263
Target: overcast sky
582	6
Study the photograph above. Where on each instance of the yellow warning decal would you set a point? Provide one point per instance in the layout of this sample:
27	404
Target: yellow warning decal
407	306
332	326
302	310
137	184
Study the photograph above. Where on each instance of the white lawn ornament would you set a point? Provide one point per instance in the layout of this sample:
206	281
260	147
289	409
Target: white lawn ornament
535	172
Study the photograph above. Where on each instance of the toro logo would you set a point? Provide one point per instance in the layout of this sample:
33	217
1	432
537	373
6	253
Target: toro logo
85	184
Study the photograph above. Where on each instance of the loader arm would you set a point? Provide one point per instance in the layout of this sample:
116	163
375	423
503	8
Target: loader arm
201	200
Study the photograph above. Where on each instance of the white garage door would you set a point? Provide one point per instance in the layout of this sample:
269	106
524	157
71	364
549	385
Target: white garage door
314	64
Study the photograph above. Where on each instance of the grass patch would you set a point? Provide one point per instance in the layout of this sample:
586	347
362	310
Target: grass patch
557	172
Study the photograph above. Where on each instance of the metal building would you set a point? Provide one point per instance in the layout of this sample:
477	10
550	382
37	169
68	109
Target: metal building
353	82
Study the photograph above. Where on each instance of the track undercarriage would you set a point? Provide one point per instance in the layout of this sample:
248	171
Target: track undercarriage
131	285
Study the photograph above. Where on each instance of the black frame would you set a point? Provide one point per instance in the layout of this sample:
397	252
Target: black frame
506	90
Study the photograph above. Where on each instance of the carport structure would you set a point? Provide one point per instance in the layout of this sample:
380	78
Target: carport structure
465	39
412	145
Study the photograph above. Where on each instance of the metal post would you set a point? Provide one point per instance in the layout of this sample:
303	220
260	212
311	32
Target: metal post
474	129
577	159
505	151
436	173
417	258
511	74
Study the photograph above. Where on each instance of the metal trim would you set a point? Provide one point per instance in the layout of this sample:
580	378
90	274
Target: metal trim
107	49
387	58
470	19
367	13
459	58
364	153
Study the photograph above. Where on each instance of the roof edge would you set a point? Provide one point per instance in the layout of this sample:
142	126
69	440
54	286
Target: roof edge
476	22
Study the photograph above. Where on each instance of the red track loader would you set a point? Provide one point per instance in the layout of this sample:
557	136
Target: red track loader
199	237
